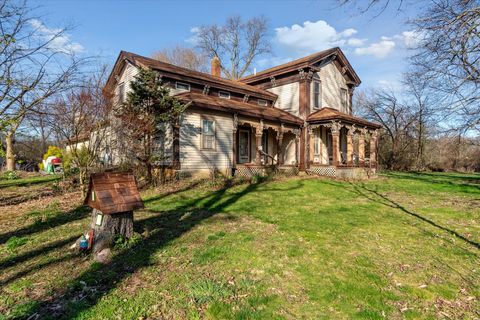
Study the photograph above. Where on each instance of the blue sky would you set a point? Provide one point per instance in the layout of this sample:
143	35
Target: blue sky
376	47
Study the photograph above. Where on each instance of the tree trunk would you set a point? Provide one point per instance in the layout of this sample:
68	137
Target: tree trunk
111	226
10	152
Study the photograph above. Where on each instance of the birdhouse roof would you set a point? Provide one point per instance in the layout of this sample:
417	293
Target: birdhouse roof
113	193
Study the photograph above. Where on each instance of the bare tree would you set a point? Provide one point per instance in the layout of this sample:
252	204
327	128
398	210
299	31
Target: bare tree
448	57
183	57
80	119
33	68
237	44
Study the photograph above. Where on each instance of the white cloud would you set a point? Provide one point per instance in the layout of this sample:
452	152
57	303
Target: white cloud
409	38
379	49
355	42
59	41
193	39
312	36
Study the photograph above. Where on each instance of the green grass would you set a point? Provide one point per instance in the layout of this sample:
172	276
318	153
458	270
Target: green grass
404	246
4	183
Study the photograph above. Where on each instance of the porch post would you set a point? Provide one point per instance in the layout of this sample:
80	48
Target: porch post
258	136
234	141
350	130
373	149
361	147
336	143
297	133
279	145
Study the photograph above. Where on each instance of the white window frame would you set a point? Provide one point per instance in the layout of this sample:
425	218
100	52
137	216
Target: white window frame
177	83
262	102
314	94
226	94
344	98
204	134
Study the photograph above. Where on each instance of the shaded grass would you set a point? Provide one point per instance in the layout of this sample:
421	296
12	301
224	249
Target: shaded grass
28	181
400	247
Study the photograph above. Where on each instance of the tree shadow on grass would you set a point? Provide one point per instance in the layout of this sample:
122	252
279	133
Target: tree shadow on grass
375	196
466	183
167	226
51	222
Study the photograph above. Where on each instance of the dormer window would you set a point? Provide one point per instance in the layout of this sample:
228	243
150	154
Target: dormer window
224	94
262	102
182	86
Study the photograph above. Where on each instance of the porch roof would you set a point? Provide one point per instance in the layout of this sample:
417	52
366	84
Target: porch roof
330	114
242	108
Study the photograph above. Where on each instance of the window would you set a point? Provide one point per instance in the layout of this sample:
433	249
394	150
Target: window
262	102
182	86
208	134
317	94
343	97
224	94
121	93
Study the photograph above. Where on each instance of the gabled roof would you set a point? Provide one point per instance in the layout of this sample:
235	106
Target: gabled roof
330	114
243	108
304	62
141	61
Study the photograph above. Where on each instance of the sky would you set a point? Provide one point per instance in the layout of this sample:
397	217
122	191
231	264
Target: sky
377	47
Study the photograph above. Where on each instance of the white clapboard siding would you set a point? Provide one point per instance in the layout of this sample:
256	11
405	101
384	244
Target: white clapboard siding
288	97
332	82
192	156
127	76
289	145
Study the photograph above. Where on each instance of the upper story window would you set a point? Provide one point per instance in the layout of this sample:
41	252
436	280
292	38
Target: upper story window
262	102
208	134
121	92
344	99
182	86
224	94
317	94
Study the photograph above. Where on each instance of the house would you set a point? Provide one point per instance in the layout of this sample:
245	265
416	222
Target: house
296	117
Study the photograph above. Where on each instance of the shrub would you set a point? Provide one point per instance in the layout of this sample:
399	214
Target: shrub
10	175
53	151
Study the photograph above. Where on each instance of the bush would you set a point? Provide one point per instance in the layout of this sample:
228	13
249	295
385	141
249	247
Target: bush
10	175
53	151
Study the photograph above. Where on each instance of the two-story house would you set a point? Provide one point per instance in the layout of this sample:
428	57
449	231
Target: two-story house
295	117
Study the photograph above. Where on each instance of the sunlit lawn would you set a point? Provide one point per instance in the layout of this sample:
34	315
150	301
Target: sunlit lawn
402	246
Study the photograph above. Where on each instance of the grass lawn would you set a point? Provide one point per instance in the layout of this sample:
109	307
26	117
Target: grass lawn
404	246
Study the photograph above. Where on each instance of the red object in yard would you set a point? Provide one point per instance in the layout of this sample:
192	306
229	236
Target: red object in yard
56	161
90	239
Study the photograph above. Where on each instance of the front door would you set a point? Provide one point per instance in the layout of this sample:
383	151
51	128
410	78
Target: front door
243	146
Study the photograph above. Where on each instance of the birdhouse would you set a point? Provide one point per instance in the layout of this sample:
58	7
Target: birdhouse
113	193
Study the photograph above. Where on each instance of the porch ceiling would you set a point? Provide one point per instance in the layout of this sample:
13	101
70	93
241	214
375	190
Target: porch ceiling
330	114
242	108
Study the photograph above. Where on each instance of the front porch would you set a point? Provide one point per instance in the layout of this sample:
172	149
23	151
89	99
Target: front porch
261	147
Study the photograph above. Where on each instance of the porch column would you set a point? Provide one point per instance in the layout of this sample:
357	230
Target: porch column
258	143
297	133
279	145
373	149
336	143
350	130
234	141
361	147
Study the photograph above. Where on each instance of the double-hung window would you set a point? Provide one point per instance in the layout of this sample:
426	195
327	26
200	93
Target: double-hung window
316	142
208	134
344	100
121	92
317	94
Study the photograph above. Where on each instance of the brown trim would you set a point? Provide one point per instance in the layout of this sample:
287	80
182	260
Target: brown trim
302	149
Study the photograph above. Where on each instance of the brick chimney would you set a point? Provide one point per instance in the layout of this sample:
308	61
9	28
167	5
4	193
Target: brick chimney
216	71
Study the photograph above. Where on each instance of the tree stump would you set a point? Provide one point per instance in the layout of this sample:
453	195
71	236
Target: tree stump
107	226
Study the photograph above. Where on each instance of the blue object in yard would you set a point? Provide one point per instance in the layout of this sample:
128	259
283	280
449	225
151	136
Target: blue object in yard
83	243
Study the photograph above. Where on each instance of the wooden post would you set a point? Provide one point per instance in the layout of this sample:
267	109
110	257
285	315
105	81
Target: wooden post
336	143
350	131
176	147
361	147
279	146
258	136
373	149
234	143
297	133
